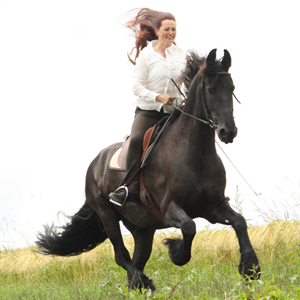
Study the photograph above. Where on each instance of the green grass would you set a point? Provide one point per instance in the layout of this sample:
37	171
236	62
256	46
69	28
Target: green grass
211	273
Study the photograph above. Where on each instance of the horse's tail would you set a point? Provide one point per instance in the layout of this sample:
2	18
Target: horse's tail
83	233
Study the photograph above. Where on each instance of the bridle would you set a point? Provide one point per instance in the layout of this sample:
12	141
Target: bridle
208	122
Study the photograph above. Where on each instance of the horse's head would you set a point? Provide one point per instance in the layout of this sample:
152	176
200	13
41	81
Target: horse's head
217	91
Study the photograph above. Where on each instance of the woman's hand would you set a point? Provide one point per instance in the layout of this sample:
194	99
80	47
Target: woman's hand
166	99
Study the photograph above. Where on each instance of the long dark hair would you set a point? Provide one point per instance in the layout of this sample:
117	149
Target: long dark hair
143	26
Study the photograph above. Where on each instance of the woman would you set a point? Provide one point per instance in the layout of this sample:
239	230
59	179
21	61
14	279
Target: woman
157	60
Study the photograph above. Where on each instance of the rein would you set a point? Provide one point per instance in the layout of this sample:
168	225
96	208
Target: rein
210	123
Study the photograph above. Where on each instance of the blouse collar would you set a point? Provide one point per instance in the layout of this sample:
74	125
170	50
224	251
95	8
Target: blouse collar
154	42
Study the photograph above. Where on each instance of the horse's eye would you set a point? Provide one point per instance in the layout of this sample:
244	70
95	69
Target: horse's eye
210	90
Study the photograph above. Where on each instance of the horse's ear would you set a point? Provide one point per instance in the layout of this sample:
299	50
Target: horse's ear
211	56
226	61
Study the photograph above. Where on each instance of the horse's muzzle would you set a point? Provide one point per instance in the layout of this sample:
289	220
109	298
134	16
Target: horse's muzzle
227	135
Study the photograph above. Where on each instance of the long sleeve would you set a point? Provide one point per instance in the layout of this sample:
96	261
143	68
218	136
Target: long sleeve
140	76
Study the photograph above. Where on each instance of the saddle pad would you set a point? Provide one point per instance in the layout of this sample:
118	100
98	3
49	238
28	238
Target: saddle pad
114	164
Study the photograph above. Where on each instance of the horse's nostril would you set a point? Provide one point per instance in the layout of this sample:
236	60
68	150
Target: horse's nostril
223	132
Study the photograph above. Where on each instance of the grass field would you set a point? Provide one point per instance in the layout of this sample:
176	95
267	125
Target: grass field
211	273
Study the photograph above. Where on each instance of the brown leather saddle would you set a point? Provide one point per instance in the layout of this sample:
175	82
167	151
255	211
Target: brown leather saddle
118	160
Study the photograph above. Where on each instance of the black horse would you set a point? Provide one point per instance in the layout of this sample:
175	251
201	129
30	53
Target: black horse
184	179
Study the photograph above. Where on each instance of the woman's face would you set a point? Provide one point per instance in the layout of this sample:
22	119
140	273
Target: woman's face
167	32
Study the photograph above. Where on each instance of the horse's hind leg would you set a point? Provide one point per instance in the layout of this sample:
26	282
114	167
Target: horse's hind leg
224	214
143	239
180	249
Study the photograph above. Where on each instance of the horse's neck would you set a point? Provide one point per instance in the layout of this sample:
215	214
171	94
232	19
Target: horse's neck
199	136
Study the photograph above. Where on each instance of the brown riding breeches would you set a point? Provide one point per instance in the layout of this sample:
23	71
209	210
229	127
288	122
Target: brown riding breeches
144	119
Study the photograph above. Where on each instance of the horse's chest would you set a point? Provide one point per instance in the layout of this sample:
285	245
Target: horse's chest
208	169
206	182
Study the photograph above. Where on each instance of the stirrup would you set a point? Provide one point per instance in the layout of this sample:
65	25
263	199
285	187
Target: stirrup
126	196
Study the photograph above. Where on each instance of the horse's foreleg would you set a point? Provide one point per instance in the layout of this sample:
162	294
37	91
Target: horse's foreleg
143	239
224	214
179	249
110	220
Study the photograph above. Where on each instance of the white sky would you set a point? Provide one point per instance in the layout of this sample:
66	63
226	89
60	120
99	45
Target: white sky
65	93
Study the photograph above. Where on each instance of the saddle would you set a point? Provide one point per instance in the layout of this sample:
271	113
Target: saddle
118	160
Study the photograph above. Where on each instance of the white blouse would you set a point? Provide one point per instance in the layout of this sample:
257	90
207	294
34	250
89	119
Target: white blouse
152	76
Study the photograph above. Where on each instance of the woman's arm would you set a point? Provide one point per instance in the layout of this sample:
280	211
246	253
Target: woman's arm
140	77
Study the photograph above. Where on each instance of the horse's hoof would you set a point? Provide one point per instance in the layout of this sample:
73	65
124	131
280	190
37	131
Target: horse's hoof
141	281
250	271
178	256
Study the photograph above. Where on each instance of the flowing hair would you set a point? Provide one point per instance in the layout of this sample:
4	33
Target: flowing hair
143	26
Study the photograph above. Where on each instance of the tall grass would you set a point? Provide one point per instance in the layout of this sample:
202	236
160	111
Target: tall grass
211	273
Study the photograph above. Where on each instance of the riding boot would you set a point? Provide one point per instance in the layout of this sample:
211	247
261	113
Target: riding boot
125	193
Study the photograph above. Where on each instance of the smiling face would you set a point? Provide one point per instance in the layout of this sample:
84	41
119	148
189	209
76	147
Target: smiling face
166	32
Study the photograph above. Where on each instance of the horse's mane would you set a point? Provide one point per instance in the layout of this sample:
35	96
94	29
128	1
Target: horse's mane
196	65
